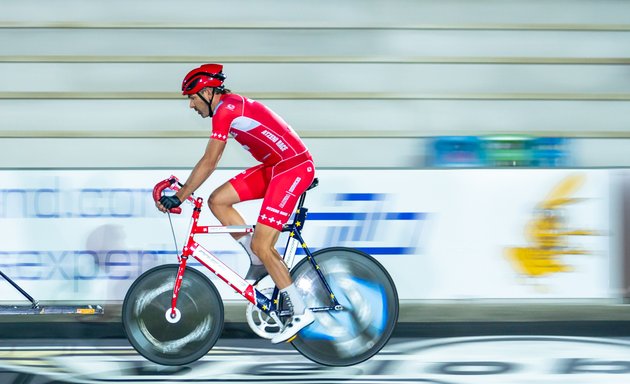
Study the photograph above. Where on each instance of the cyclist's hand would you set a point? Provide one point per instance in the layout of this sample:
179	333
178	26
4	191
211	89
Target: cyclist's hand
169	202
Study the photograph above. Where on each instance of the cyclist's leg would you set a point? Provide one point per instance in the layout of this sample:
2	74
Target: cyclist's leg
263	245
250	184
289	181
221	203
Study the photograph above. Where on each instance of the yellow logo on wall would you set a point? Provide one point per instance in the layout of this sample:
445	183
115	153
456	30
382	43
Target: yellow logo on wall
548	234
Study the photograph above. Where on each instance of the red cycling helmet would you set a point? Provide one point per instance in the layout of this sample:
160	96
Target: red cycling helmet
208	75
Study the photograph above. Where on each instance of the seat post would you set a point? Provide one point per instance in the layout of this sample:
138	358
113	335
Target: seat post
300	203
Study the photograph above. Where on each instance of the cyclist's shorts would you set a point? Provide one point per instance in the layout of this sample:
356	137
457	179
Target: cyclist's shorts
280	185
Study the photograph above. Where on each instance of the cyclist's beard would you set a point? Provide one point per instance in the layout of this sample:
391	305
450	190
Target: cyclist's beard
202	113
208	105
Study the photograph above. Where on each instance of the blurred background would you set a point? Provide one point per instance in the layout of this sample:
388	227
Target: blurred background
367	83
490	136
479	149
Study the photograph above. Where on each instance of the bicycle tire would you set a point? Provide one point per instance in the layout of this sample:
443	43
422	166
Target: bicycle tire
370	300
152	335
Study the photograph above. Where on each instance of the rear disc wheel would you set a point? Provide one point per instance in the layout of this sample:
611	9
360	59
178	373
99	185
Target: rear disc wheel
370	307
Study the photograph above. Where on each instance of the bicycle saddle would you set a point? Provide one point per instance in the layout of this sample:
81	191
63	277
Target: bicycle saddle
314	184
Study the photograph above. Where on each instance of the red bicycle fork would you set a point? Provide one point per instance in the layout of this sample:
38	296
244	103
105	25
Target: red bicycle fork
187	252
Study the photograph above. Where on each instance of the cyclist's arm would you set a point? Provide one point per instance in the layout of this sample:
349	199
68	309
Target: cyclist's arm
204	168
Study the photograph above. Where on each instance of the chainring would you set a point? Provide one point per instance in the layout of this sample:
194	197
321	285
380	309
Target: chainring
261	323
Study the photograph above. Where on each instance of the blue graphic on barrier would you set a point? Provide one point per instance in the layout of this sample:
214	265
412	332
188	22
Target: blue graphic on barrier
51	203
357	220
369	226
122	264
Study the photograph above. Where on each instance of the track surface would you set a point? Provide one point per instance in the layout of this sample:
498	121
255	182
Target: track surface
448	360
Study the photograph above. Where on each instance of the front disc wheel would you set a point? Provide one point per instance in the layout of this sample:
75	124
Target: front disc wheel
169	339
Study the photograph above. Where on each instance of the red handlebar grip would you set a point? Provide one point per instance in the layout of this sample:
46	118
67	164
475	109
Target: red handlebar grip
157	193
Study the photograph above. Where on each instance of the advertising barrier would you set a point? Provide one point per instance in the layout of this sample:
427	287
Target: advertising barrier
85	235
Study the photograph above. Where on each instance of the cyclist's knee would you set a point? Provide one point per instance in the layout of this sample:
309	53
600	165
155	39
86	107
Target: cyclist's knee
215	202
261	248
257	247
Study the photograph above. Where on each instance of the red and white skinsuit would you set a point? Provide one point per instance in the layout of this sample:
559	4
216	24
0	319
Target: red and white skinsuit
287	168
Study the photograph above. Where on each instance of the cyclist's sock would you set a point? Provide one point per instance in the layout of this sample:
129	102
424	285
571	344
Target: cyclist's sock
296	299
246	243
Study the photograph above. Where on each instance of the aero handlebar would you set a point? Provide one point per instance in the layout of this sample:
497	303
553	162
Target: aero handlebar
171	183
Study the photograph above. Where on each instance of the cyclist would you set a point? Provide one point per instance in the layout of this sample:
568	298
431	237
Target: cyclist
285	171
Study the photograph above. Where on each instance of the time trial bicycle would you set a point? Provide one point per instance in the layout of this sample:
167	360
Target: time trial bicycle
173	314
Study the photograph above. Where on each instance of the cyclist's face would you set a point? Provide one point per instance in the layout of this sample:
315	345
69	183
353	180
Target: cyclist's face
199	105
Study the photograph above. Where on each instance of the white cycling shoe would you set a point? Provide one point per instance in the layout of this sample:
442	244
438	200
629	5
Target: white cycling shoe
294	325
